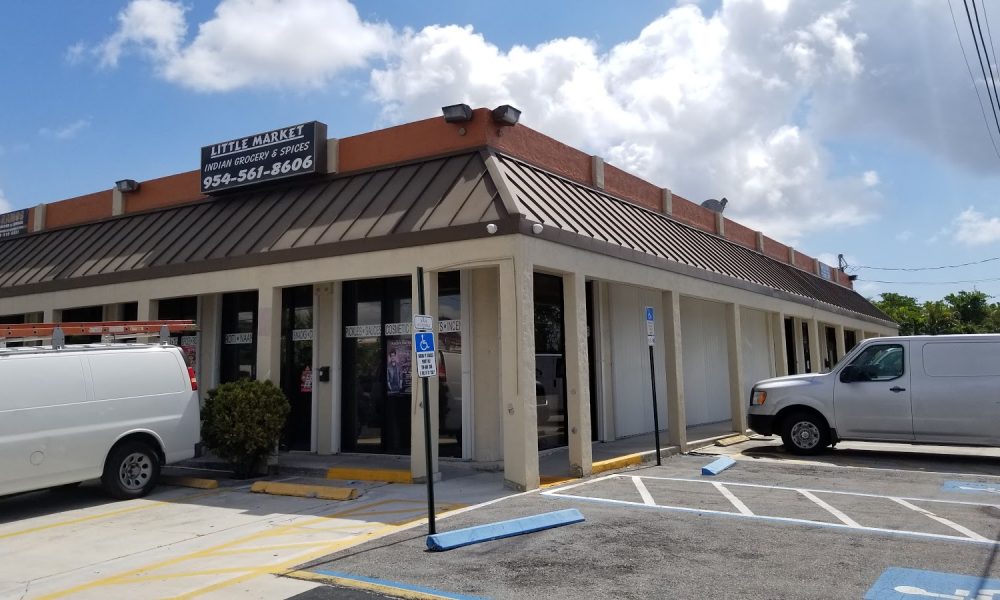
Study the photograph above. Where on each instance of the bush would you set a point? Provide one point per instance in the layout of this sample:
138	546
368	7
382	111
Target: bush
242	422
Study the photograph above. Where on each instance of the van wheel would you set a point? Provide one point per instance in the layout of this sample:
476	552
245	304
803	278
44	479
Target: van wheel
131	470
805	433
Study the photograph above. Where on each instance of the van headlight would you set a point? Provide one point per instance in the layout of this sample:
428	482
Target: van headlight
758	397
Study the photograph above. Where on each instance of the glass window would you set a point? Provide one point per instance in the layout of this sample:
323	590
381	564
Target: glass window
449	364
880	362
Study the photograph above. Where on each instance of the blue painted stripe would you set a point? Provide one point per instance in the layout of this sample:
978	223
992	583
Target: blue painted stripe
717	466
395	584
971	486
900	584
502	529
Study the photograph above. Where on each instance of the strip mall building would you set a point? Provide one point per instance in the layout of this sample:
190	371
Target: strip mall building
542	259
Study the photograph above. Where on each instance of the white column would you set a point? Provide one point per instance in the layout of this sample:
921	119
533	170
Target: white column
800	346
778	342
602	348
674	370
577	374
209	324
418	457
269	334
323	334
738	397
148	310
517	379
841	342
815	358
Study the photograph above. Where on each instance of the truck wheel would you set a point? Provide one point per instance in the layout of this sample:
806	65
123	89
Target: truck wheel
805	433
131	470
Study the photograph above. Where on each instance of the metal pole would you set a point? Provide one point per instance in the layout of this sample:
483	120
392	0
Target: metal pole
425	388
656	411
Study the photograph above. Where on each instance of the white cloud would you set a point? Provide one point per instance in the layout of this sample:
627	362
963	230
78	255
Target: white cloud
5	205
66	132
703	104
870	178
973	228
248	43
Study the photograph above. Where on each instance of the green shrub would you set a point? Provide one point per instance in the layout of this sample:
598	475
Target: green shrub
242	422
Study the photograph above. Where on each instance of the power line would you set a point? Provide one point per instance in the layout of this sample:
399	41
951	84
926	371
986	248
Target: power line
982	108
986	53
937	268
931	282
987	80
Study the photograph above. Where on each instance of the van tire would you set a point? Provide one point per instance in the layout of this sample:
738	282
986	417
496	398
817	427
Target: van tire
805	433
131	470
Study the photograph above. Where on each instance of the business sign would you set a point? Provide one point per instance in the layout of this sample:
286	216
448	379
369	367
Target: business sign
423	322
14	223
423	347
825	272
650	326
262	157
237	338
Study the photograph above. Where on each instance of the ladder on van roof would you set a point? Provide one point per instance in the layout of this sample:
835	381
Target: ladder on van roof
109	331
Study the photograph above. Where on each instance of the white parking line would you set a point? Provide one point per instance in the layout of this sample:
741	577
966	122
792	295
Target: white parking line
643	492
833	511
732	498
966	532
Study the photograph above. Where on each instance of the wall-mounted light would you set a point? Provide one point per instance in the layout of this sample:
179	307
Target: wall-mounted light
491	228
537	228
126	186
506	115
456	113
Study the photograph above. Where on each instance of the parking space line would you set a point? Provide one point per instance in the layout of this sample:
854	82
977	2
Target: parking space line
833	511
733	499
964	531
643	492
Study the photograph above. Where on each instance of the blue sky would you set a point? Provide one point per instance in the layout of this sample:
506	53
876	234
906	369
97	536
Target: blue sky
838	127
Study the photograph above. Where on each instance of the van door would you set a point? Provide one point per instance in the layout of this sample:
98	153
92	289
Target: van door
872	394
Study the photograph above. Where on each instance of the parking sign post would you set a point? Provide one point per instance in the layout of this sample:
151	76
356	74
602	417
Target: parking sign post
651	340
421	348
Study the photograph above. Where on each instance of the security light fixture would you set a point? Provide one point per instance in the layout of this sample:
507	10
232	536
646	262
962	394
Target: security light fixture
127	185
456	113
491	228
506	115
537	228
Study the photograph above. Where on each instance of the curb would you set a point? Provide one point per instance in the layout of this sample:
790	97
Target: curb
190	482
302	490
361	474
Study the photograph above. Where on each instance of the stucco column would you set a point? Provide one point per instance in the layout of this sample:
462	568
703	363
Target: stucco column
418	457
577	374
800	347
815	357
323	334
779	345
269	334
148	310
738	397
674	370
517	375
50	315
112	312
209	323
841	341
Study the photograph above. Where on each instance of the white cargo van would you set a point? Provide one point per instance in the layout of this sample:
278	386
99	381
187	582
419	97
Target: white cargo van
919	389
114	411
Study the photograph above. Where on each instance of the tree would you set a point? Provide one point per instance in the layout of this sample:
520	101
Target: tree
939	318
903	310
961	312
973	310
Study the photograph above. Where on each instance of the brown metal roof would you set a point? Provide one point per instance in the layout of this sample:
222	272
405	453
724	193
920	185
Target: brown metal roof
431	201
610	225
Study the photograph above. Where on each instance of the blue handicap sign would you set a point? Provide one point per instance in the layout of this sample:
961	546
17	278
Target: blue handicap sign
423	341
903	584
649	313
971	486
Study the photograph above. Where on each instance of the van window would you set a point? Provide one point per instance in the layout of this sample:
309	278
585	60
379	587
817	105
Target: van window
41	381
880	362
962	359
128	374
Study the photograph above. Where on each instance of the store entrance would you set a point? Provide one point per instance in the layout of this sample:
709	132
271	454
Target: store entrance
376	366
296	365
550	362
238	352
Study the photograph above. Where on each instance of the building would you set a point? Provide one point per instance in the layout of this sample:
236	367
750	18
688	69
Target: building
542	258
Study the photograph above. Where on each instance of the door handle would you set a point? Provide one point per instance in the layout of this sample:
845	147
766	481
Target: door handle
897	389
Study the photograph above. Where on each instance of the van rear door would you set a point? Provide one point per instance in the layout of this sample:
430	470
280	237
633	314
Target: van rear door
872	394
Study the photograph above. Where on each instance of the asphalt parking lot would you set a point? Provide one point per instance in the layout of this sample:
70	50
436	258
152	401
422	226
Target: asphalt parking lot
762	529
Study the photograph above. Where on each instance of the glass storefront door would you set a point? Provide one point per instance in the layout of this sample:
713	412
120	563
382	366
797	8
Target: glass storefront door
550	362
238	353
376	366
449	342
296	365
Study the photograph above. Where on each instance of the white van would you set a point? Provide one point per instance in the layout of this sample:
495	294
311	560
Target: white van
114	411
919	389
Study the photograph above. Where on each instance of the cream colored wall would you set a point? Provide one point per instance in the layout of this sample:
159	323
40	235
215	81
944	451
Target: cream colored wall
706	361
485	306
758	351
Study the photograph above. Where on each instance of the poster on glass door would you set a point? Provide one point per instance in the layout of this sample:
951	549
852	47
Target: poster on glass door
397	374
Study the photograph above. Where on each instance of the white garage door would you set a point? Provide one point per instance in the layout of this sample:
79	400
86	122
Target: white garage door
758	352
633	399
706	361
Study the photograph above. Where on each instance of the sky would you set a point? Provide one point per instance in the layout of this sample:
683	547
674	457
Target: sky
834	126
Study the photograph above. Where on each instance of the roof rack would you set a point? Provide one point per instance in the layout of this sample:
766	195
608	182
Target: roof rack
109	331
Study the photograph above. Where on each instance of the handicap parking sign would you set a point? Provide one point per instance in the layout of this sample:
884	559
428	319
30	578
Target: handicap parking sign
903	584
423	348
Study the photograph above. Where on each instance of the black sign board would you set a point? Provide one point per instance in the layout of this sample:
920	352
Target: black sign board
13	223
276	154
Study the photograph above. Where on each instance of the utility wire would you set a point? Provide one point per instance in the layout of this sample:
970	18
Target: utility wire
975	40
938	268
982	108
990	33
931	282
986	53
